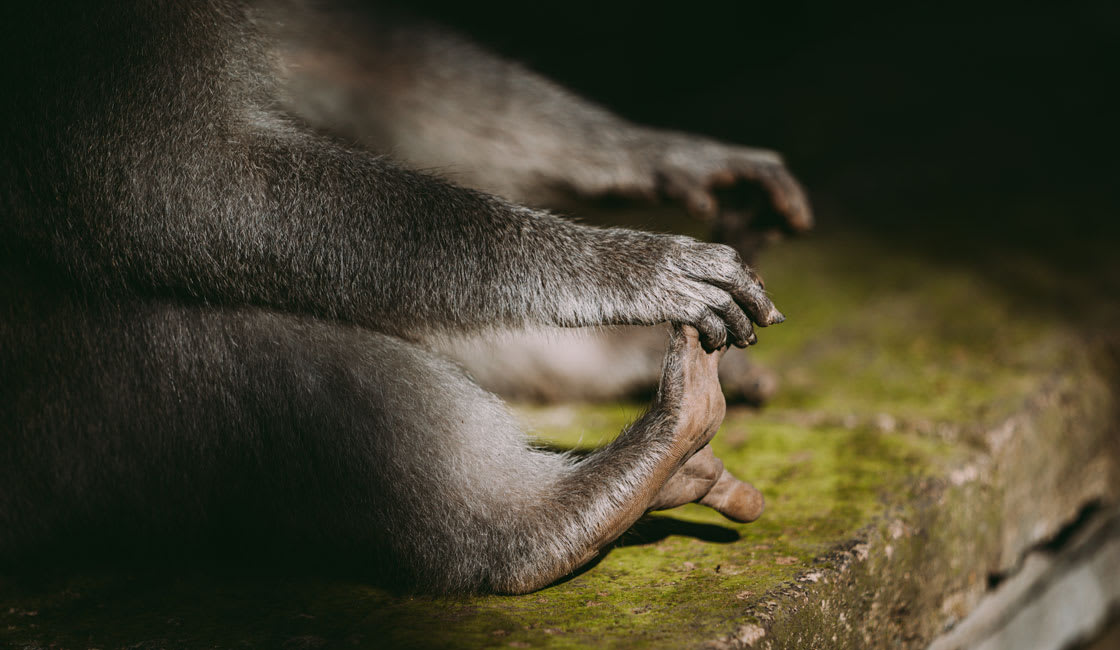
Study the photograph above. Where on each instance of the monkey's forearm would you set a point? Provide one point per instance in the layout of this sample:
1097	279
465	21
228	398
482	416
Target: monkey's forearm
438	101
299	223
195	186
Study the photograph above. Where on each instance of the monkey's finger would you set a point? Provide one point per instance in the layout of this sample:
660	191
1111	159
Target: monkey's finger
700	203
737	500
786	196
739	328
684	340
686	186
691	482
713	332
747	290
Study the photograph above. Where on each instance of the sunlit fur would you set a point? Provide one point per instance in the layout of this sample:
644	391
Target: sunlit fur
215	319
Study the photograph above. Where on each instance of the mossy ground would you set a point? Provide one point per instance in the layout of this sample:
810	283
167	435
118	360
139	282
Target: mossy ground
890	365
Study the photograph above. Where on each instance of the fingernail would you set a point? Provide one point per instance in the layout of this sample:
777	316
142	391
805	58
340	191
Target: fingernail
776	316
752	339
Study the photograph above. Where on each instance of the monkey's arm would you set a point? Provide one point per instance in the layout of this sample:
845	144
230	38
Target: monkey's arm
161	166
438	101
277	217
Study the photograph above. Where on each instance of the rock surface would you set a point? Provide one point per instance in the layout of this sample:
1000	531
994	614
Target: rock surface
1061	595
932	430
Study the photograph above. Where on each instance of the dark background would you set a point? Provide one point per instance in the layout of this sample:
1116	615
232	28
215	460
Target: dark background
979	125
971	133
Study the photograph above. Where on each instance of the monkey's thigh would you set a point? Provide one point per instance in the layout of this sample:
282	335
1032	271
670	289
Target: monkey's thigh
152	421
593	365
557	365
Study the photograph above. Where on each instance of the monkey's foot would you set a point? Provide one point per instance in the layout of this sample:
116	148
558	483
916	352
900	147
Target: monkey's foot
685	415
690	393
704	480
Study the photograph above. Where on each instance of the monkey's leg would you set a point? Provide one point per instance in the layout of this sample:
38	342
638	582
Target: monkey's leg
225	200
605	493
149	424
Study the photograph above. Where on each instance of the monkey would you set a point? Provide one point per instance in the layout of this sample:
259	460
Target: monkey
441	103
218	322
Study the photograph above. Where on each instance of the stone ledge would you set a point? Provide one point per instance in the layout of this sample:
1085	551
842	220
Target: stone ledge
931	432
1061	595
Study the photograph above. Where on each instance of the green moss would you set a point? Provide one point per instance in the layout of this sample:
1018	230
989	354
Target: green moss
873	332
883	359
673	579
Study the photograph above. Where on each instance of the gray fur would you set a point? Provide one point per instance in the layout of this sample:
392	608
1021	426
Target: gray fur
439	102
217	321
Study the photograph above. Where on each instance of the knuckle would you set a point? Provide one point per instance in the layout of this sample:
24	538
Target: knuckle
752	277
736	319
721	251
724	260
713	327
712	296
712	471
710	319
742	326
697	317
749	159
771	159
681	243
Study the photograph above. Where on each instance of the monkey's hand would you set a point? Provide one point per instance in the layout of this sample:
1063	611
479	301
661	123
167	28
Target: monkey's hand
747	194
693	283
